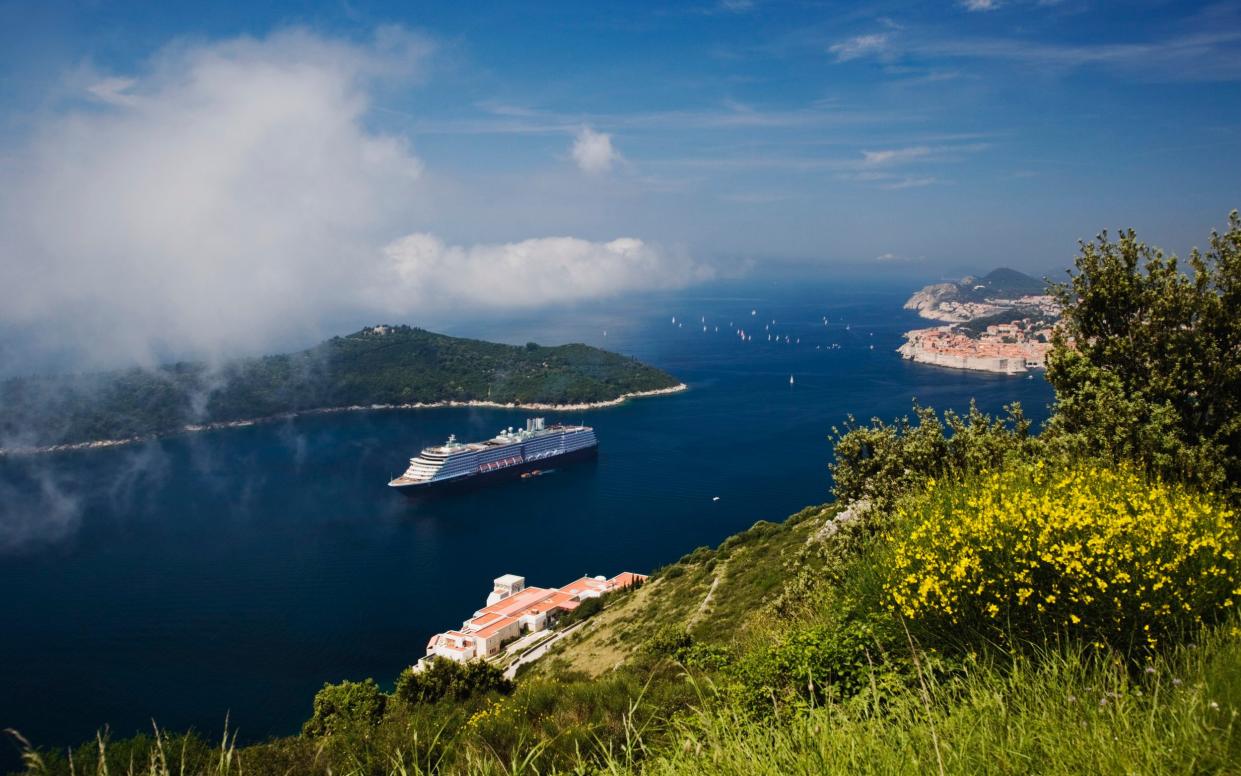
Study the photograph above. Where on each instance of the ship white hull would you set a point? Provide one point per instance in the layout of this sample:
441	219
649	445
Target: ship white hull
498	475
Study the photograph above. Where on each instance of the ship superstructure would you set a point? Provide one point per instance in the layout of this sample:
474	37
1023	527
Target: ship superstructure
509	452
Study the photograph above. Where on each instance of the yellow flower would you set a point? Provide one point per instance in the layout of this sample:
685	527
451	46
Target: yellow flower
1003	550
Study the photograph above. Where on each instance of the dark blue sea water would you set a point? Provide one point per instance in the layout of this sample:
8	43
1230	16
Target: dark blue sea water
234	572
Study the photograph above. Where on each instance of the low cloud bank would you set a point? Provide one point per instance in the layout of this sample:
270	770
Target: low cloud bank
529	273
236	194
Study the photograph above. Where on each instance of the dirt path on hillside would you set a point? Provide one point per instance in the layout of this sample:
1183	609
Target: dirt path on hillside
706	600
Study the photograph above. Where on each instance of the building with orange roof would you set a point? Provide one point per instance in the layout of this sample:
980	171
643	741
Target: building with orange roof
512	609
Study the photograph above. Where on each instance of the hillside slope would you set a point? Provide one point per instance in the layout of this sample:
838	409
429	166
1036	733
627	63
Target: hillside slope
1002	283
715	595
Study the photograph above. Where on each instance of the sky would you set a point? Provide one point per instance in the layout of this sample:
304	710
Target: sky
213	178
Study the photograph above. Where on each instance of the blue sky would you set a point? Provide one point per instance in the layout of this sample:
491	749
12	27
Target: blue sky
916	138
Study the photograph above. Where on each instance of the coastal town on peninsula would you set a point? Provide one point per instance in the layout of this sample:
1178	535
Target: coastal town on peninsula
1000	323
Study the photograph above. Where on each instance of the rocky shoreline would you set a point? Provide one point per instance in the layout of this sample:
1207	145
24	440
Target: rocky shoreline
190	429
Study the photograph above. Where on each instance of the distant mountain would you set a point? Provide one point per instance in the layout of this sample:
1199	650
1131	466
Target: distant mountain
382	365
1002	283
958	302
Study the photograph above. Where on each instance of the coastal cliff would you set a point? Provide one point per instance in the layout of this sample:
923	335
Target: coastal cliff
927	301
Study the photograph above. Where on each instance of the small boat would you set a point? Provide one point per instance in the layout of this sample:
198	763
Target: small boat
754	312
717	498
536	473
790	379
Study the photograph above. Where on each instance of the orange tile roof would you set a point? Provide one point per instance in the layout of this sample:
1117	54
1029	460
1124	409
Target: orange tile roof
624	579
495	627
582	585
531	601
518	601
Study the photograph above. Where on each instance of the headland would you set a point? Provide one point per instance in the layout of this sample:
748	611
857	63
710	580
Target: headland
1000	323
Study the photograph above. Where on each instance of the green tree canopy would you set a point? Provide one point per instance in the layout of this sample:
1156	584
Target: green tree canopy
880	462
449	679
347	704
1147	361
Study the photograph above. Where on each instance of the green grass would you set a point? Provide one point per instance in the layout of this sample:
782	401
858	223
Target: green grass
824	685
1060	712
1057	713
751	567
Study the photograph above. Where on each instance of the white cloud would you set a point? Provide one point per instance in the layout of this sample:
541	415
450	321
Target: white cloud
527	273
113	91
593	151
860	46
980	5
909	183
896	258
234	194
893	156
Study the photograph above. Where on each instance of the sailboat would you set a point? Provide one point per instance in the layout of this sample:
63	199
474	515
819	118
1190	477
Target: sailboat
790	379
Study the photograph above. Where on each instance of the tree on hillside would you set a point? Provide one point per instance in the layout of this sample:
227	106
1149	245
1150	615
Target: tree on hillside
880	462
1147	361
445	678
339	706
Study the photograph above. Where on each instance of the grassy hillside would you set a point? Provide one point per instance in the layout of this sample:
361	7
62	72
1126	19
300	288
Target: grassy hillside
715	595
390	365
661	683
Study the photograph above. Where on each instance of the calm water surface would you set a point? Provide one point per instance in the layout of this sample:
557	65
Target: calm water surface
235	572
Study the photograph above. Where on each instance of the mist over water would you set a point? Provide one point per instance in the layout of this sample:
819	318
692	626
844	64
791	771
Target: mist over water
234	572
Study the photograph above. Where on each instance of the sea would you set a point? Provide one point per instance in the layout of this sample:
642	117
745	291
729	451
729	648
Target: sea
227	575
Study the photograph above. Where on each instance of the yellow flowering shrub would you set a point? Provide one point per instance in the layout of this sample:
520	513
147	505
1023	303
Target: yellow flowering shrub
1030	552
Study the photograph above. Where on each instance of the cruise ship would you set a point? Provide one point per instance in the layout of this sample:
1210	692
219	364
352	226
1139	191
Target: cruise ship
510	452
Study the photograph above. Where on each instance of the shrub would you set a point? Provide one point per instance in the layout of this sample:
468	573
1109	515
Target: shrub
670	641
449	679
585	610
809	666
671	572
1030	552
338	706
879	462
